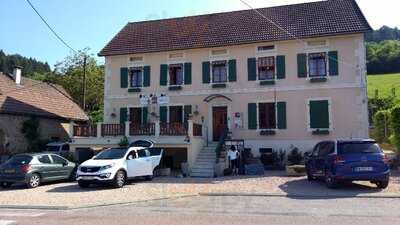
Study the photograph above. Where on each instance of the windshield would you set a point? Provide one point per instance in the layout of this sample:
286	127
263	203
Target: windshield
113	153
20	160
52	148
357	148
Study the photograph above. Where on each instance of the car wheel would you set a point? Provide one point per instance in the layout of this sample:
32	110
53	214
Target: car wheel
330	181
83	184
5	184
34	181
72	176
309	176
382	184
119	179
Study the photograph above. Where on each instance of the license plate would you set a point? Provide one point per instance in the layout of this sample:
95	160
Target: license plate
363	169
9	171
86	177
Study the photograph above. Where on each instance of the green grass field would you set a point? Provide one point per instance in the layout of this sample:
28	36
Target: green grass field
384	84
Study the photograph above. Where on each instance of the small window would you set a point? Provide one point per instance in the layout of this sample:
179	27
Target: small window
266	48
219	52
316	43
317	64
219	71
175	55
266	115
136	77
141	153
44	159
176	74
266	68
136	59
58	160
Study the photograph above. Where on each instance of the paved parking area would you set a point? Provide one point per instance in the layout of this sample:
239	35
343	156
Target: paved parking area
272	183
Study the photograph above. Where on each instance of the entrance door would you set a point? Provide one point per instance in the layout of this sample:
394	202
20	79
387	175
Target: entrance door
220	121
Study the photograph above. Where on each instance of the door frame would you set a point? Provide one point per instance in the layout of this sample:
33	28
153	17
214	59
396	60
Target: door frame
210	115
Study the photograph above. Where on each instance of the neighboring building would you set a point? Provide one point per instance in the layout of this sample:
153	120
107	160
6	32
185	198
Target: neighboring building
273	87
21	98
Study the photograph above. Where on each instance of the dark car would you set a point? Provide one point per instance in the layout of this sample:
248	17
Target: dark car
348	160
34	169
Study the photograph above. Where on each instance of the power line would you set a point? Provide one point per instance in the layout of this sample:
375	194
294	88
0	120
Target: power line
50	28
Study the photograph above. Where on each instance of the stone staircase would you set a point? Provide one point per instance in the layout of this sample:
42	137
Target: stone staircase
204	165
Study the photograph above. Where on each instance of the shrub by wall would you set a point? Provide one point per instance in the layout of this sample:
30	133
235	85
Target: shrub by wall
382	124
395	124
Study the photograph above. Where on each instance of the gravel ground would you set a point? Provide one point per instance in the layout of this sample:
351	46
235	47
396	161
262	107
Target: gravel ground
70	195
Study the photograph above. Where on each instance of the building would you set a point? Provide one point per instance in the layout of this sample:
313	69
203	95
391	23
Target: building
22	98
289	78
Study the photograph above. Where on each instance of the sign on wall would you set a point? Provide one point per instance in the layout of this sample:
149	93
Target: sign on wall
144	100
163	99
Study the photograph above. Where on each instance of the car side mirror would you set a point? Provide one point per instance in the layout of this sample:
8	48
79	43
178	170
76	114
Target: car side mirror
65	164
307	154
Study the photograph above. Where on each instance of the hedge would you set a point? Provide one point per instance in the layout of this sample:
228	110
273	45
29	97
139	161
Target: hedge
382	124
395	124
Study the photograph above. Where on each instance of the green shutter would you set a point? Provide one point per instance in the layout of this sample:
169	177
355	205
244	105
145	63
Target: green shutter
281	108
333	63
188	73
146	76
163	114
319	114
232	70
206	72
302	65
124	77
123	115
163	74
144	115
280	67
252	116
251	69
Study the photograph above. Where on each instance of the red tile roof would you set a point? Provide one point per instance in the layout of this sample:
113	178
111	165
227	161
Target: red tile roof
306	20
37	98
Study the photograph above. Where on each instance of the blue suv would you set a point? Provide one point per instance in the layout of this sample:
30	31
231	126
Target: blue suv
338	161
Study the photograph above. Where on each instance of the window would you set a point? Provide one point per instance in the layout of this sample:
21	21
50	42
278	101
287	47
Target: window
136	77
175	114
326	148
176	55
266	116
266	48
141	153
266	68
44	159
317	64
219	71
58	160
135	115
136	59
176	74
358	148
319	114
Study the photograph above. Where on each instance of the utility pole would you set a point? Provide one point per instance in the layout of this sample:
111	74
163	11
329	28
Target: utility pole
84	84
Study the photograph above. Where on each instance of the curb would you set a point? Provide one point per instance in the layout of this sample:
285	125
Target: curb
41	207
303	196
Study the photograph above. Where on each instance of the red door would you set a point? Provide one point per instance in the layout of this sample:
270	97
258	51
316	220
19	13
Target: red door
220	121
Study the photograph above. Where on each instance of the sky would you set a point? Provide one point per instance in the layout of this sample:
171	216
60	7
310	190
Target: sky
93	23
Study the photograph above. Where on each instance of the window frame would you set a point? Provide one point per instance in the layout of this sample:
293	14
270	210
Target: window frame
130	76
326	61
309	129
257	71
53	156
212	73
183	74
45	155
258	115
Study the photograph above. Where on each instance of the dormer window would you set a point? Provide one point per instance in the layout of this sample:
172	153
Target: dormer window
136	77
266	48
176	74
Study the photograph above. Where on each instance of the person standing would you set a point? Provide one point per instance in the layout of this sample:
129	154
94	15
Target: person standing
233	155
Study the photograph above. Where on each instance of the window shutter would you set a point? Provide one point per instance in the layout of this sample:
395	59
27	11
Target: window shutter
281	108
251	69
232	70
124	77
188	73
252	116
280	67
146	76
333	63
145	114
163	114
123	115
206	72
163	74
319	114
301	65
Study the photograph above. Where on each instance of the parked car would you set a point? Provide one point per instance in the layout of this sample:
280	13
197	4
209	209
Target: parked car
59	148
348	160
34	169
116	165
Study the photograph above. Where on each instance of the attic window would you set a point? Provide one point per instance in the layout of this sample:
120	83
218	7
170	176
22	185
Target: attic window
136	59
316	43
175	55
219	52
265	48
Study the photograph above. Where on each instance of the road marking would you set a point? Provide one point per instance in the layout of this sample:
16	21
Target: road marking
6	222
23	214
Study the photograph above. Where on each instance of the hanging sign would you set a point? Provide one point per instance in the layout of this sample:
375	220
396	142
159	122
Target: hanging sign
144	100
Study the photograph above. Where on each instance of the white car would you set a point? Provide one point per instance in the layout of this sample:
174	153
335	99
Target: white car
116	165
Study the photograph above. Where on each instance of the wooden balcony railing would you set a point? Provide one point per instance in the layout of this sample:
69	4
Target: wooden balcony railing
197	129
112	129
172	129
141	129
85	131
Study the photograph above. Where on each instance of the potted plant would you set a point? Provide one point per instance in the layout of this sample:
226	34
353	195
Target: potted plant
295	165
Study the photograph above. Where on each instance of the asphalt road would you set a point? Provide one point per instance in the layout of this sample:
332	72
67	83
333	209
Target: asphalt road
221	210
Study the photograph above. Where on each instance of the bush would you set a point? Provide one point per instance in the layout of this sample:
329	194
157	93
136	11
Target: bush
395	122
382	125
294	157
123	142
31	131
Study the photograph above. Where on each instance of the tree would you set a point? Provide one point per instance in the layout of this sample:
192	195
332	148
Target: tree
29	65
383	57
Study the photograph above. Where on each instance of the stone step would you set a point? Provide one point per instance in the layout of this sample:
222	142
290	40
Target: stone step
200	167
201	175
204	163
203	170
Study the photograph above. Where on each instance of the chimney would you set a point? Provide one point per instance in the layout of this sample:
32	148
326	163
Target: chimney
17	74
